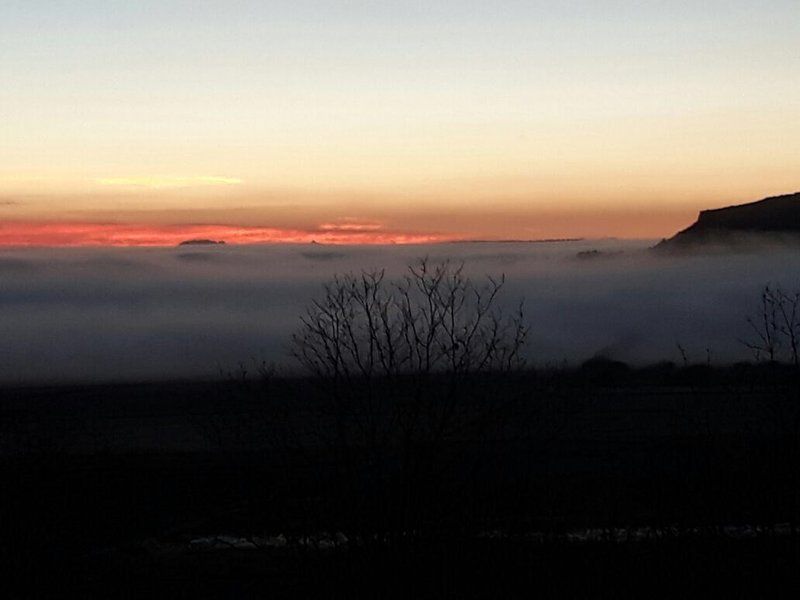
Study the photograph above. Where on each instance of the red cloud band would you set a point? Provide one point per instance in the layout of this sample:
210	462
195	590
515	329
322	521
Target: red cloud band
112	234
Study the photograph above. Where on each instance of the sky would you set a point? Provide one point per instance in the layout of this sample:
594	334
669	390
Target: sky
141	123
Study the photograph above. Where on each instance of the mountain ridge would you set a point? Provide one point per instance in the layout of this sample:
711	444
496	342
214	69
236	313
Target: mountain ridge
775	217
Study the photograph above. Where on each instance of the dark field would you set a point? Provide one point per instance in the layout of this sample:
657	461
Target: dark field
601	481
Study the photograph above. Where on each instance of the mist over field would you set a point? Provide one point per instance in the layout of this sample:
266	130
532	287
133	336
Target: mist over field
157	313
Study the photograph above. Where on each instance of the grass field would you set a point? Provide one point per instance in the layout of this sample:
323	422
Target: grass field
592	482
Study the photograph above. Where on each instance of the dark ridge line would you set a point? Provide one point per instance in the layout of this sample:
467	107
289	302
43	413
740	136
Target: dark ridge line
542	241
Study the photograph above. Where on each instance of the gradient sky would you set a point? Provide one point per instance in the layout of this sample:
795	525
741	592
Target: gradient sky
145	122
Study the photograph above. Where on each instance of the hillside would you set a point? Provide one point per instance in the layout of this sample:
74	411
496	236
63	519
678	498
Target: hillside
776	218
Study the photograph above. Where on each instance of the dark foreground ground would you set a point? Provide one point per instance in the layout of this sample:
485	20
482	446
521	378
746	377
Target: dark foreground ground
601	482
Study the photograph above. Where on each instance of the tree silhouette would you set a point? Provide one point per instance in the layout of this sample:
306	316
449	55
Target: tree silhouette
405	368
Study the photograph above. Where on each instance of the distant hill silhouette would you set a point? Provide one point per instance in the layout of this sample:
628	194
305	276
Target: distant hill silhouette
777	217
201	242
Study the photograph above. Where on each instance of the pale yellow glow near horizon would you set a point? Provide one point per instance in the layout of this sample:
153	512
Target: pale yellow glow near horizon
675	163
168	182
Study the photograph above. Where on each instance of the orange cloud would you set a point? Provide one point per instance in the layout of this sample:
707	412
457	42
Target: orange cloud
114	234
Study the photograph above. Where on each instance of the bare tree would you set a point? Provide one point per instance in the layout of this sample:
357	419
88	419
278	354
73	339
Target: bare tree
404	368
434	319
789	321
777	337
776	326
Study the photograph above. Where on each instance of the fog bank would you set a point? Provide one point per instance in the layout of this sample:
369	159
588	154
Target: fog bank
157	313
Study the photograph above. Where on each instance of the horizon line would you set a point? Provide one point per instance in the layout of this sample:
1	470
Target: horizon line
65	234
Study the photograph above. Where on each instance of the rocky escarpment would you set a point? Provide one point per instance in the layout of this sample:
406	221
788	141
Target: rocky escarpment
776	218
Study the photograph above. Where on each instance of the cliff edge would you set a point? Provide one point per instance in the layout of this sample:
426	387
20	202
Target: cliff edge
776	218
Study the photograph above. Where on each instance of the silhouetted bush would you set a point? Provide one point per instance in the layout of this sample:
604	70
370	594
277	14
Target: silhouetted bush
407	369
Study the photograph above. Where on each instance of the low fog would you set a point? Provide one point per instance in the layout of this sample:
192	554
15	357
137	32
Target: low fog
73	315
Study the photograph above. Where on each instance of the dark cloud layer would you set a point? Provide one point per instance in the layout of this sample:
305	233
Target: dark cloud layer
124	314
